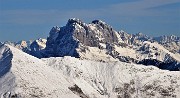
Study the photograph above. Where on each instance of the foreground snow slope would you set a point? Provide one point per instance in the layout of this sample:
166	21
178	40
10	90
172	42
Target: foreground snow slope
118	79
30	77
68	77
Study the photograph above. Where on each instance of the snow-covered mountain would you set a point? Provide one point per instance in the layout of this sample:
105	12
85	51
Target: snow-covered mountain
63	41
31	47
22	45
172	43
92	60
25	76
99	41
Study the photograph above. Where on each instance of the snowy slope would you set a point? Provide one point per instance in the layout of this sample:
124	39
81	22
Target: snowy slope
118	79
69	77
147	50
30	77
172	42
162	51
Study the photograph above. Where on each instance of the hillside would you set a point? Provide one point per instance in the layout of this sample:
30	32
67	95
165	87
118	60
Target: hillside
55	77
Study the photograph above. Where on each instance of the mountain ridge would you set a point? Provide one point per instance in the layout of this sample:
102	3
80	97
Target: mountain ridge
80	40
92	60
72	77
76	37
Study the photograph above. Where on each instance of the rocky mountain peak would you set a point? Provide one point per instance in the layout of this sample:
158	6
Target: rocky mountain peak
36	46
79	34
55	29
102	24
139	34
74	21
53	32
22	43
165	39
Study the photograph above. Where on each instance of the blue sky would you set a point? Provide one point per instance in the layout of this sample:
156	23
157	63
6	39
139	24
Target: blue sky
32	19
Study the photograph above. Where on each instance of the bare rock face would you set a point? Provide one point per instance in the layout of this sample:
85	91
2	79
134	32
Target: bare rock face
53	34
76	33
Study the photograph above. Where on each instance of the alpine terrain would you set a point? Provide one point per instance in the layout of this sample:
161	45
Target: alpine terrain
92	60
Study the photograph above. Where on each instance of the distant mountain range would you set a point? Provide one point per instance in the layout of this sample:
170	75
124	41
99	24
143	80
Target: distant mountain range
99	41
91	61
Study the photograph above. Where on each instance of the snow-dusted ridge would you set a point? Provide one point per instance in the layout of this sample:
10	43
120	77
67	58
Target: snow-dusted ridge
30	77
